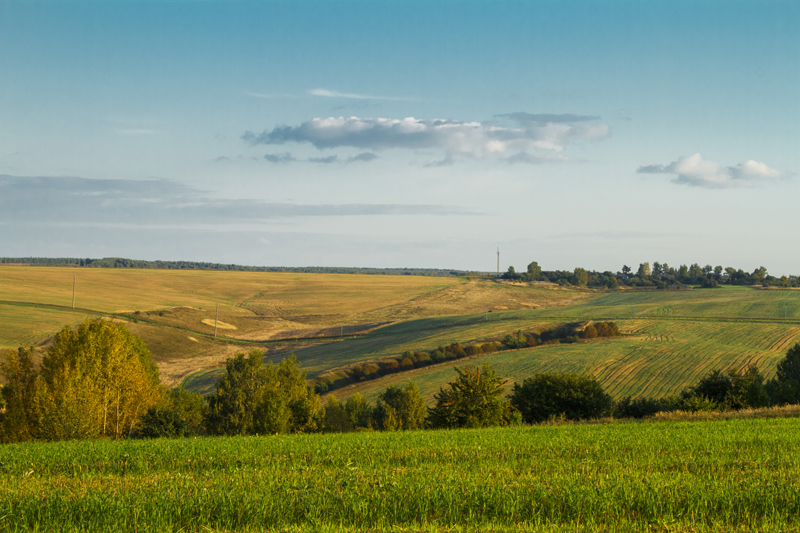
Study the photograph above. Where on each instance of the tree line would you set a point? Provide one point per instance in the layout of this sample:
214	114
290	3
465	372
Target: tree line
121	262
409	360
98	381
659	276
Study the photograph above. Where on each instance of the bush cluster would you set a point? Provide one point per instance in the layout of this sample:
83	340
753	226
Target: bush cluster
407	361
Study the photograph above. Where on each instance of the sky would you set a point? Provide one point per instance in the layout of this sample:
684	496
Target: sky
402	133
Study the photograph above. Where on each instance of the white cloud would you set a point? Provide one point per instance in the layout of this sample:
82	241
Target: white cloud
136	131
325	93
695	171
474	139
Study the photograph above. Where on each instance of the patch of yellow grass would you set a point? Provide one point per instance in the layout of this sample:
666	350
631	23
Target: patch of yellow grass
219	323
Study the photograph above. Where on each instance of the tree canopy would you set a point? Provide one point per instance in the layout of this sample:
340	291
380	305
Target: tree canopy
549	395
95	381
251	398
784	388
400	408
473	400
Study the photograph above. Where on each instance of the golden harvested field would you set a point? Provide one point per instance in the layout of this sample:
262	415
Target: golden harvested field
174	310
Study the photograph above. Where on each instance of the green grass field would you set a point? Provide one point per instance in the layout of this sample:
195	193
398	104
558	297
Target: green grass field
661	352
737	475
653	359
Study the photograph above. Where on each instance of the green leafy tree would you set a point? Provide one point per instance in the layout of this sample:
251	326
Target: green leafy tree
353	414
359	412
644	270
251	398
399	408
549	395
190	407
581	277
535	271
516	341
472	400
100	367
18	418
784	388
335	418
96	380
231	410
731	390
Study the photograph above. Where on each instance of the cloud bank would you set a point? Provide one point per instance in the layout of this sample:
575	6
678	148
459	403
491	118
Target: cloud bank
547	134
697	172
65	201
285	157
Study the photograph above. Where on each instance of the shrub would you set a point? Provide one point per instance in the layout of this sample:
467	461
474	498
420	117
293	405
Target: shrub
550	394
590	332
472	400
438	356
628	407
730	391
472	349
489	347
457	350
390	367
162	421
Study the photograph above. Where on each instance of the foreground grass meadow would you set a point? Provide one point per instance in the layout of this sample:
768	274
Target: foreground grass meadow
735	475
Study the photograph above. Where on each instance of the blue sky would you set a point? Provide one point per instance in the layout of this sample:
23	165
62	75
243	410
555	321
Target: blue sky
395	134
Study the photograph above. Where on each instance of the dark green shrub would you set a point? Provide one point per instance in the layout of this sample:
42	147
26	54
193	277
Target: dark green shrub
784	388
161	421
628	407
552	395
191	407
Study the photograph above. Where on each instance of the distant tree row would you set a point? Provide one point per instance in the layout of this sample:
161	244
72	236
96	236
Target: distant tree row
410	360
118	262
660	276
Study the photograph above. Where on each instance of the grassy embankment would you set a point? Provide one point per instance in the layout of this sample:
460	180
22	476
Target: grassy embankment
737	475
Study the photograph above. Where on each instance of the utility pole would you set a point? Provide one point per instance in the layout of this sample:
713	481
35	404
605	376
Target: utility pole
216	318
73	290
498	261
